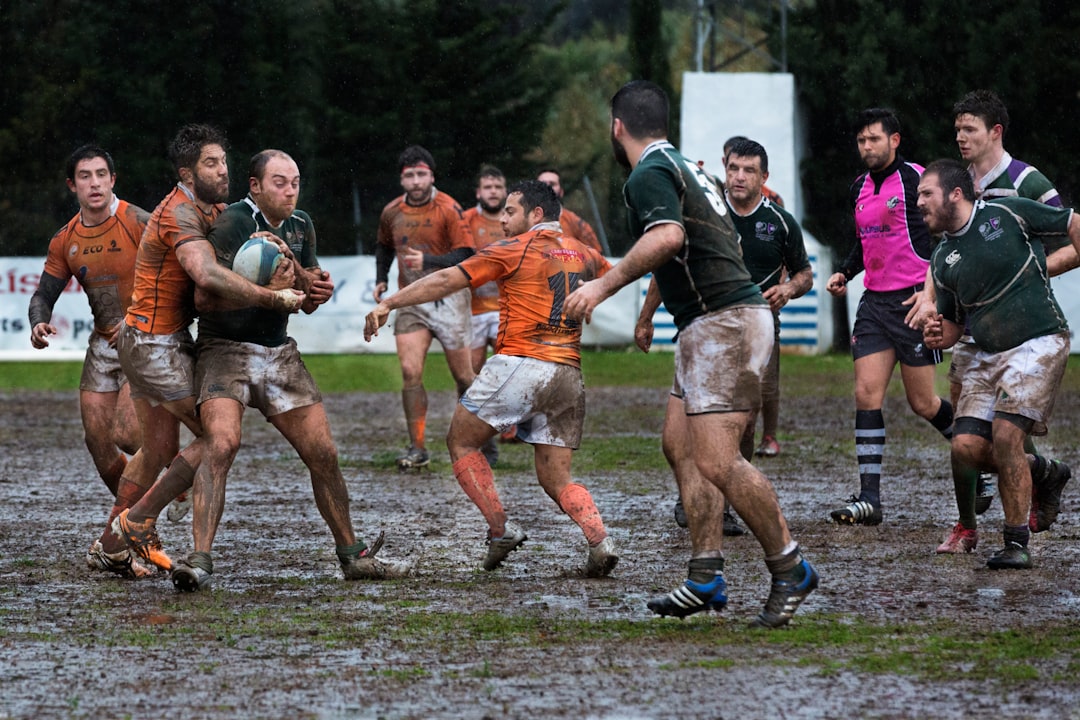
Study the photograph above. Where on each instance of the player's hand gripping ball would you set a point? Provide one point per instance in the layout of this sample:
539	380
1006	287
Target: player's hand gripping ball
257	259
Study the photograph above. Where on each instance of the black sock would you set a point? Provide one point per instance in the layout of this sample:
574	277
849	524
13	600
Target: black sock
942	422
869	447
1018	534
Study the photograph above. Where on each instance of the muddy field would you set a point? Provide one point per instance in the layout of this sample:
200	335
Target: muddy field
280	635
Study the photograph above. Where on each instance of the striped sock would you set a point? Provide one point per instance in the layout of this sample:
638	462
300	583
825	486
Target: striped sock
869	447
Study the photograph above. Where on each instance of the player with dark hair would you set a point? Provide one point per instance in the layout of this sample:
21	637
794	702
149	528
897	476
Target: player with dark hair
893	246
685	236
993	277
245	358
534	379
425	230
97	247
572	224
774	253
766	192
155	346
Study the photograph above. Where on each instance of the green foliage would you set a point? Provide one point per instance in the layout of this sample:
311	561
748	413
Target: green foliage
920	58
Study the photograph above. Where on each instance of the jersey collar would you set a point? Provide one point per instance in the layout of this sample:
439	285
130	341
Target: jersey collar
995	172
655	145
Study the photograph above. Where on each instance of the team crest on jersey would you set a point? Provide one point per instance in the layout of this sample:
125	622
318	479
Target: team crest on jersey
991	229
764	231
73	250
952	258
893	202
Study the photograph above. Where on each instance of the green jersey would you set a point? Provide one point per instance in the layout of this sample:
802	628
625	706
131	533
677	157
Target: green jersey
231	230
771	242
1015	178
992	273
708	272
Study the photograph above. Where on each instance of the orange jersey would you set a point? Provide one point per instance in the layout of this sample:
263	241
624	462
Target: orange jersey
163	301
435	228
574	226
102	259
485	231
535	271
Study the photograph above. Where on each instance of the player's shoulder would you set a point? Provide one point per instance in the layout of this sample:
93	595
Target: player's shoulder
131	214
301	217
393	206
446	202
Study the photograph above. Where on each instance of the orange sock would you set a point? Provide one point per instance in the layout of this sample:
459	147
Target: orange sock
474	476
111	477
576	502
414	400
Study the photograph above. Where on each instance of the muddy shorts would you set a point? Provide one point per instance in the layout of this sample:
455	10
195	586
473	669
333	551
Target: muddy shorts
160	368
721	358
1022	381
273	380
101	371
963	352
485	329
449	320
880	326
545	400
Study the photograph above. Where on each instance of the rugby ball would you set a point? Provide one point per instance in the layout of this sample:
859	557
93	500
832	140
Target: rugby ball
257	259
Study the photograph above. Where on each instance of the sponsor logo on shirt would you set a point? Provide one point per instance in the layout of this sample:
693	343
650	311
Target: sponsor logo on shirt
952	258
892	202
991	229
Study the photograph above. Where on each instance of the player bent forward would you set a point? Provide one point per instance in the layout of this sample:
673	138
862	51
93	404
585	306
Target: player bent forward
534	379
989	270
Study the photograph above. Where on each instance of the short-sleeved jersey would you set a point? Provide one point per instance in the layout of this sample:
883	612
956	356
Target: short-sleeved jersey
892	244
484	231
163	299
436	228
992	273
535	272
231	230
1015	178
101	258
575	226
708	272
772	196
771	242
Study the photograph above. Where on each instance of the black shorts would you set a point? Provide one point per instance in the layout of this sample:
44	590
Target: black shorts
880	326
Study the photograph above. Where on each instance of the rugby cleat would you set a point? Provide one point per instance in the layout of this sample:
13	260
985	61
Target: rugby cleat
123	563
499	548
1046	500
602	559
858	512
1012	557
193	572
413	458
692	597
365	566
768	447
179	507
143	540
961	540
785	597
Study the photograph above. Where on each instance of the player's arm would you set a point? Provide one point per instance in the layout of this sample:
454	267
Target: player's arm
384	258
317	286
427	289
42	303
796	286
643	329
658	245
1068	257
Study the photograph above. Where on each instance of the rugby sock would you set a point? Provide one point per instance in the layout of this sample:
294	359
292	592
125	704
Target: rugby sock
787	562
127	494
942	422
869	447
177	479
1018	534
474	476
965	479
704	570
111	477
414	400
576	502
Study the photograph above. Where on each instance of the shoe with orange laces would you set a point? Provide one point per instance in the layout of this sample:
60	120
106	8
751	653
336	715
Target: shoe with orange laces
960	540
143	540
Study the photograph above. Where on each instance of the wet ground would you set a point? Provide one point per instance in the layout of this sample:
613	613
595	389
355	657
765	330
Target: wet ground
280	635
